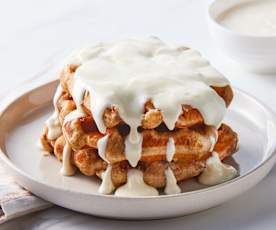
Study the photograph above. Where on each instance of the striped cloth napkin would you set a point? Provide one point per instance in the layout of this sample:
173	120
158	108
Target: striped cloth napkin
16	201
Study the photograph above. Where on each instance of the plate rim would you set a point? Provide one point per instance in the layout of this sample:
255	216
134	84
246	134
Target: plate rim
12	97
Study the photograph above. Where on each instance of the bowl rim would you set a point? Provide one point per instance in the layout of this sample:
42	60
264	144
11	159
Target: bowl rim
213	20
29	88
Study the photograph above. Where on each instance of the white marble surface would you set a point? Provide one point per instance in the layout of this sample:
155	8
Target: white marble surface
35	34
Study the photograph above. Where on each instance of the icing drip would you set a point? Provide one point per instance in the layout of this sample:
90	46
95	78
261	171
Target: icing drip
171	183
170	149
53	124
133	150
54	127
213	135
67	168
101	145
77	94
107	186
73	115
216	172
97	106
135	186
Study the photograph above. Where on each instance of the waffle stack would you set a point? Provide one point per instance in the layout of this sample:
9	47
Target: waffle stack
190	140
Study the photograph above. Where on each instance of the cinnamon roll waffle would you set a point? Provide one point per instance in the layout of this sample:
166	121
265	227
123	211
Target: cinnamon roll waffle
141	115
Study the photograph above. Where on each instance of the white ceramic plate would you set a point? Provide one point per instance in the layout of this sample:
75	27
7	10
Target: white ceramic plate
22	118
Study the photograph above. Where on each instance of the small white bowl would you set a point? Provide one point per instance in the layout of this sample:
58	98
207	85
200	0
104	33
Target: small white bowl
256	53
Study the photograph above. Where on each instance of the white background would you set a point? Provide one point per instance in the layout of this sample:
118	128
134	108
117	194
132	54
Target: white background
36	34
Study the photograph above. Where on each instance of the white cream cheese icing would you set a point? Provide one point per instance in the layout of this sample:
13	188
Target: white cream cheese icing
170	150
53	124
128	73
106	186
77	94
216	172
75	114
67	168
133	149
135	186
101	145
171	183
213	136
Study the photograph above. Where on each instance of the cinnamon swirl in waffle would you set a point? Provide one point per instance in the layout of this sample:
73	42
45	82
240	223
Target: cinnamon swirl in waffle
141	115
